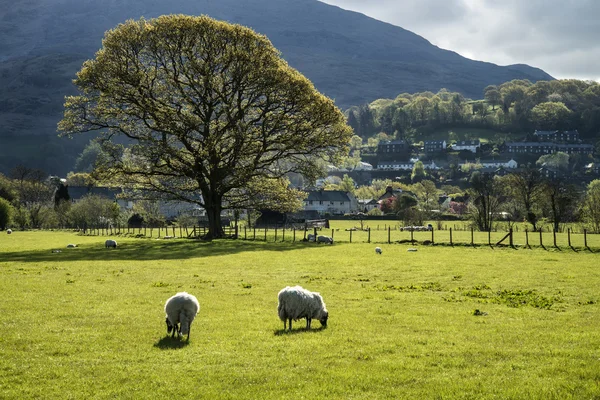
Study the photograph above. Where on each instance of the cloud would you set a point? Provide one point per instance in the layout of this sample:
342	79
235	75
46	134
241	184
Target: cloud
556	35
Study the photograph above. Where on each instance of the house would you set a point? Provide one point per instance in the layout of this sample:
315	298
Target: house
334	202
470	145
548	172
404	165
497	163
389	192
557	136
392	147
366	205
575	148
363	166
434	146
592	168
530	147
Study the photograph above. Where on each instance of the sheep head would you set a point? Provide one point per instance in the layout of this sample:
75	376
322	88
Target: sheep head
323	319
170	326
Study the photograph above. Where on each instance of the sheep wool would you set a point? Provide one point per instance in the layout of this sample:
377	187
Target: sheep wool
378	250
296	303
9	231
180	310
110	243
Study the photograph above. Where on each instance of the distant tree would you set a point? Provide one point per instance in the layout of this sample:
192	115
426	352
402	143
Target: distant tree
61	194
485	203
525	187
347	184
356	142
7	189
6	211
418	172
93	211
558	160
550	115
590	207
366	123
353	122
150	212
87	159
559	198
207	108
458	208
492	95
81	179
427	194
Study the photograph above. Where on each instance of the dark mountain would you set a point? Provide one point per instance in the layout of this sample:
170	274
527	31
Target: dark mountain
349	57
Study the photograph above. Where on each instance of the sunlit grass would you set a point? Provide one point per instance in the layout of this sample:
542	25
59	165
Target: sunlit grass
89	323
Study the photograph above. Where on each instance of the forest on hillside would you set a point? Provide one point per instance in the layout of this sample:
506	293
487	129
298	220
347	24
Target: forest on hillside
518	107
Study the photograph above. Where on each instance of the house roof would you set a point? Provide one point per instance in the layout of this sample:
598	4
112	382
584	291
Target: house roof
327	195
433	142
528	144
78	192
545	133
399	141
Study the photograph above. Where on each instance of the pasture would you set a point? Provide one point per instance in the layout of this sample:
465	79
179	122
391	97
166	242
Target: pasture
437	323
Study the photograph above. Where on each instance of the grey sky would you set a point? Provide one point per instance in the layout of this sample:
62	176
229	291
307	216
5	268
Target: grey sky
559	36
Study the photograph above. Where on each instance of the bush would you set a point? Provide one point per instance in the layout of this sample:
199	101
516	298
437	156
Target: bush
6	212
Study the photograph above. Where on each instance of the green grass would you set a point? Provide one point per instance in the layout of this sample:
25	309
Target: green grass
439	323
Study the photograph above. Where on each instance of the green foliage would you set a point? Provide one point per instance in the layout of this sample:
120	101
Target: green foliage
210	108
558	160
6	212
93	211
590	206
418	172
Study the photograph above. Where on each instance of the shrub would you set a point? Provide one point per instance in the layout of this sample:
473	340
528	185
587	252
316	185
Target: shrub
6	212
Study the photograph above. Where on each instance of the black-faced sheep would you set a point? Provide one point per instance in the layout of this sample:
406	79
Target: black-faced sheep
9	231
296	303
110	243
180	310
378	250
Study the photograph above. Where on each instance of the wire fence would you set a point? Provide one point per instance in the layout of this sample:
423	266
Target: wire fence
386	234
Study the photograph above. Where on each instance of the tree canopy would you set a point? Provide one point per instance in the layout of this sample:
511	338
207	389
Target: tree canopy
208	108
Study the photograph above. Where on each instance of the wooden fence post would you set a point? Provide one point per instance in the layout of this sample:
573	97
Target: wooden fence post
527	238
389	235
283	234
369	235
350	235
451	237
265	233
432	241
510	238
569	236
472	244
294	239
412	236
331	234
585	238
554	234
275	234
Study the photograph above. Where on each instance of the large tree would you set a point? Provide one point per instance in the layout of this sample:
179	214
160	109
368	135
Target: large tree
208	108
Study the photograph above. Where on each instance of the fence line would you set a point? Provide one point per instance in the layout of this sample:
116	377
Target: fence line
382	234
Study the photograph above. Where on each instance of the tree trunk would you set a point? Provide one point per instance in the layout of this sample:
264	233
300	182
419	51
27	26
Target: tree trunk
213	211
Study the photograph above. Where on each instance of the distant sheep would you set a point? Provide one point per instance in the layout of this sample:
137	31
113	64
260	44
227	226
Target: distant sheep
296	303
71	246
324	239
180	310
110	243
9	231
378	250
310	237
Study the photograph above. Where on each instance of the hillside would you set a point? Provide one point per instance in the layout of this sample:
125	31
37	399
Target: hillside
350	57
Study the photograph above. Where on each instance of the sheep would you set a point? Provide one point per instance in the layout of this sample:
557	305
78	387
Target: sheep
9	231
180	310
310	237
324	239
296	303
378	250
71	246
110	243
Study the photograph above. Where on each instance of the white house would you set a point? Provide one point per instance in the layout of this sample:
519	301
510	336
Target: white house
330	202
497	163
363	166
404	165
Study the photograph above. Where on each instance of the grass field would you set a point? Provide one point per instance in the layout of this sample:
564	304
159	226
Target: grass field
88	323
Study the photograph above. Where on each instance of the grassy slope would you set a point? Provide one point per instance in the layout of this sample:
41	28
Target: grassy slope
88	322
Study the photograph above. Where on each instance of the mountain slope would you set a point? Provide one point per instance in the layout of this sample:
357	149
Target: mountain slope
349	57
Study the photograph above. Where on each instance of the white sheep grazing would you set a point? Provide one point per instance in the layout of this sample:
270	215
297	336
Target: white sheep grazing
9	231
110	243
180	310
324	239
296	303
378	250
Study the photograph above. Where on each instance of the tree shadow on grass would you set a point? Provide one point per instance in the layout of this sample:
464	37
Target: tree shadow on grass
171	343
282	332
144	249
